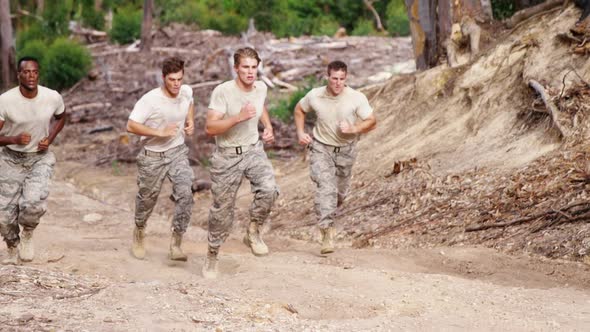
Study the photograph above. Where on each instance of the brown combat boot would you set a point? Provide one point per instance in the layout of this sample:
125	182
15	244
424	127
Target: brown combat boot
138	248
12	258
176	253
327	240
26	251
253	240
209	270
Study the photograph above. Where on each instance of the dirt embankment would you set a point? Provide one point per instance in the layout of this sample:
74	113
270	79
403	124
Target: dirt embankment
471	155
461	148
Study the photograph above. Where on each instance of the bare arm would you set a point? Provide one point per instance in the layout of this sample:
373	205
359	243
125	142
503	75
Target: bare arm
362	127
143	130
58	125
299	117
268	135
217	125
22	139
189	124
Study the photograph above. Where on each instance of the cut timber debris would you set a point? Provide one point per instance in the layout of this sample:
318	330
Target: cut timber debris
551	108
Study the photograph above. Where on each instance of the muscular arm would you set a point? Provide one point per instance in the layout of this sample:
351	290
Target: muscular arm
189	124
362	127
58	125
268	134
22	139
217	125
143	130
299	117
265	118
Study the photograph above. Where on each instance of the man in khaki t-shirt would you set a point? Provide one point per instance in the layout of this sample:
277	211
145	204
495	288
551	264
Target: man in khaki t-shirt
342	115
26	164
163	117
235	109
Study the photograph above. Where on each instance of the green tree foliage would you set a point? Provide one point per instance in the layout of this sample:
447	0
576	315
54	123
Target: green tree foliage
35	48
283	17
364	27
64	64
285	107
126	25
397	22
33	32
55	19
502	9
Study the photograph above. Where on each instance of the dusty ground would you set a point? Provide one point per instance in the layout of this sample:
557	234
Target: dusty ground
484	153
84	278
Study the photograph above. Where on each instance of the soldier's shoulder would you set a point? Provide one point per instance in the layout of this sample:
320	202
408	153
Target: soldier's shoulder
260	85
153	94
355	93
223	87
9	94
186	90
316	92
45	91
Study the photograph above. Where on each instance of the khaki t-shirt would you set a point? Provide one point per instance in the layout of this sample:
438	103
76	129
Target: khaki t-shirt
227	98
156	110
350	105
21	114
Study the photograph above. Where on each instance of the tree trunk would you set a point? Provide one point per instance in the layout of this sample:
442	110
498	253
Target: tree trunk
146	26
7	46
430	25
423	19
40	6
369	5
98	5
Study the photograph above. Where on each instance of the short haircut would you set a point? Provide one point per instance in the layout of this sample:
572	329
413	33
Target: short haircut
246	52
24	59
172	65
337	66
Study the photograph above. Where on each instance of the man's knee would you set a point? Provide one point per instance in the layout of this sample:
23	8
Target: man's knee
147	194
30	215
268	193
183	196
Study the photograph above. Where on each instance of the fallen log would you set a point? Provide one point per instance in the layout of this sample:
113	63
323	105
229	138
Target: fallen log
295	73
91	36
176	50
338	45
89	106
556	116
282	84
267	81
205	84
527	13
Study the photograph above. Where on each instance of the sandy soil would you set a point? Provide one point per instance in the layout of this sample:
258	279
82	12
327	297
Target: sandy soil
84	278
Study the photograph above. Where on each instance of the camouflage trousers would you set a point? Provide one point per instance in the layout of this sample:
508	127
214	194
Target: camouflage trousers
24	188
330	170
152	169
228	168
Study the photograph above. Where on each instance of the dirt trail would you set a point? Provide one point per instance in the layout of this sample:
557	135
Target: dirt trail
293	289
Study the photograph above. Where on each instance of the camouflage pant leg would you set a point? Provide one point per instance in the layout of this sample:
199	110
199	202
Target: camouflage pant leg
24	188
344	162
323	174
261	175
151	172
181	175
32	204
226	176
11	179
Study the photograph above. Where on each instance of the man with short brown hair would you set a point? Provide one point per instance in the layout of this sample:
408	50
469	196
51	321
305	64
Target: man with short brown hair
342	115
163	117
26	164
235	109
